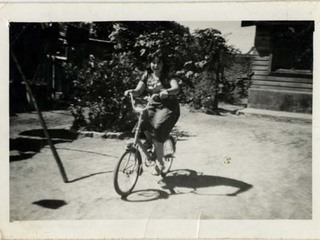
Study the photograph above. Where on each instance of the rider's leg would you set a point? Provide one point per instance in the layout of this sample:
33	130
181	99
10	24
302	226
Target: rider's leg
159	152
148	139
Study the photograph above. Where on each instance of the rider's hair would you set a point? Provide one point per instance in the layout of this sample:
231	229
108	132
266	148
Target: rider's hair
165	69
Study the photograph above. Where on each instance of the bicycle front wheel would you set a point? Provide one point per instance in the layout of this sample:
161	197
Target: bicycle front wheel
169	149
127	172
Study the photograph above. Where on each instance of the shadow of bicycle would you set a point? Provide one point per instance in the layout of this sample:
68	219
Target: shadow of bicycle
183	181
198	183
147	195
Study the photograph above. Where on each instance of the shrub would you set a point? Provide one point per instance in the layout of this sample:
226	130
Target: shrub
197	61
100	87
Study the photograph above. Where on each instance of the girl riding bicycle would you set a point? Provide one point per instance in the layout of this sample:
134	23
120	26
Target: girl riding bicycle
163	111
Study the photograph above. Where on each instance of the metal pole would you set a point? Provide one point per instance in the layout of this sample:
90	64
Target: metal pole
53	76
43	124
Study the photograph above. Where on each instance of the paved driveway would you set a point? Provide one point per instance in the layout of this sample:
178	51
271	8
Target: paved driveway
226	167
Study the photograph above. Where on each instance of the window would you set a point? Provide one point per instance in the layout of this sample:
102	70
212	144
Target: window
293	48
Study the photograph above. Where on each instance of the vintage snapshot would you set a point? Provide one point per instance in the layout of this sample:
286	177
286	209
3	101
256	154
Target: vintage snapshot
154	121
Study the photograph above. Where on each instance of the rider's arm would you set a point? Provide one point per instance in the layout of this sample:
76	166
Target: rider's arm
140	87
173	90
138	90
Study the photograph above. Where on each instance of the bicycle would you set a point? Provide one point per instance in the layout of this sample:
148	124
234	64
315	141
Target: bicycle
130	165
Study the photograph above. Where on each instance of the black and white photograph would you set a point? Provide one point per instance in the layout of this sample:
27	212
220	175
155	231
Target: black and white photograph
162	119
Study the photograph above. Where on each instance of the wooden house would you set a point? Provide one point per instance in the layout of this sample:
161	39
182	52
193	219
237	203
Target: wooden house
41	50
282	64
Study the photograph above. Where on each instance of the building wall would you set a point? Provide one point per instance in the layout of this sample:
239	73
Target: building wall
273	90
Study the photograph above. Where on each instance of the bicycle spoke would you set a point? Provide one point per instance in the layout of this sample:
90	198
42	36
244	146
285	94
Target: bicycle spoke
127	172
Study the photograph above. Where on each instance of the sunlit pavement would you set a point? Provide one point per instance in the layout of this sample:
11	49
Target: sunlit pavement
225	167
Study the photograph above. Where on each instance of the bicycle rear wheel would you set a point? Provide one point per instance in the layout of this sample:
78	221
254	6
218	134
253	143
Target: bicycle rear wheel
127	172
169	149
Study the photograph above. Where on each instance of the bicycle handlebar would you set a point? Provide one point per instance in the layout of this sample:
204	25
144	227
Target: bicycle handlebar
139	109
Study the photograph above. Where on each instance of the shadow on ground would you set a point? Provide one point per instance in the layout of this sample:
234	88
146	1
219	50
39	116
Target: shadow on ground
32	141
222	112
145	195
50	203
63	134
88	176
186	178
190	179
180	135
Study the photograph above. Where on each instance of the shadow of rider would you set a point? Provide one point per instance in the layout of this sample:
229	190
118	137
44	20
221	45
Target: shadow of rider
187	178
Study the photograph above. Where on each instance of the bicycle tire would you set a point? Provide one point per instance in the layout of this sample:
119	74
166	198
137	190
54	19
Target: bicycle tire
130	161
169	148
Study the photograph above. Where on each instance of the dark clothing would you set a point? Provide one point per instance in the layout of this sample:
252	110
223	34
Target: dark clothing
162	114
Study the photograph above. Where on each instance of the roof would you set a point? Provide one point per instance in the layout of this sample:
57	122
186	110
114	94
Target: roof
253	23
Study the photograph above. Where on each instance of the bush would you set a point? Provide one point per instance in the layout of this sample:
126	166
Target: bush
100	87
197	61
100	84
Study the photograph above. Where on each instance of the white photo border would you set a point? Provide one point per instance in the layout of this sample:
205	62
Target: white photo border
147	228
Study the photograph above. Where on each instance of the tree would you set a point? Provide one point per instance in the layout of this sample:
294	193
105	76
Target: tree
100	83
197	61
210	56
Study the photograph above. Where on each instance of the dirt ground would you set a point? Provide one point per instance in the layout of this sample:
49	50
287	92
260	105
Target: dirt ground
226	167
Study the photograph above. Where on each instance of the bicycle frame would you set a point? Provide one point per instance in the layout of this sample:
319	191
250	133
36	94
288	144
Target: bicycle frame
137	142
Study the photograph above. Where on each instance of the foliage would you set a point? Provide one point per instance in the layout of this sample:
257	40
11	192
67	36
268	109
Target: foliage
210	56
197	60
172	45
100	86
238	78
